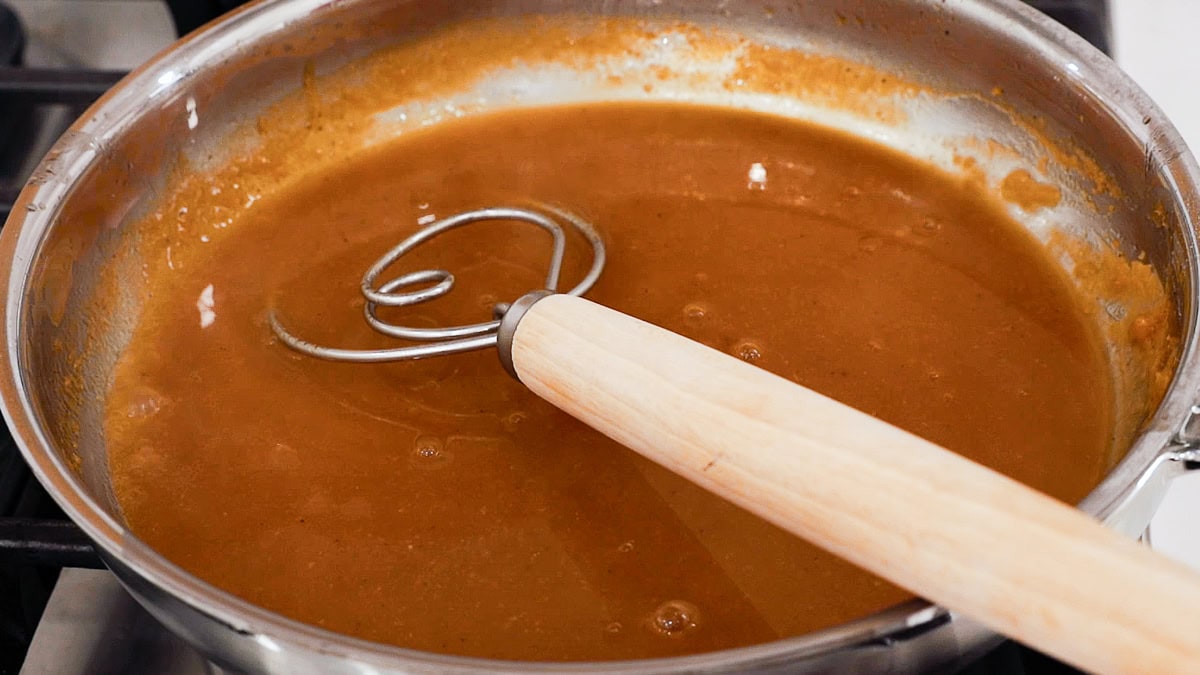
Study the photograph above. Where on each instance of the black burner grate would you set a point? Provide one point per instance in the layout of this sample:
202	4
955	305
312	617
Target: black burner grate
1089	18
24	92
36	539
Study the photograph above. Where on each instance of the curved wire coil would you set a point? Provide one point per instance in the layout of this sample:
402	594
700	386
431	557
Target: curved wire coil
453	339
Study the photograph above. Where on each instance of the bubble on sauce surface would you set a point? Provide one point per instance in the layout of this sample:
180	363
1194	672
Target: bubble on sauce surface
487	301
756	177
695	311
206	304
675	617
513	421
614	627
1115	310
429	452
747	351
626	547
144	403
929	227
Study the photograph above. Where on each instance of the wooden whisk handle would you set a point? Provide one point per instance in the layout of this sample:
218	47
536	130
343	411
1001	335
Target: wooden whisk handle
953	531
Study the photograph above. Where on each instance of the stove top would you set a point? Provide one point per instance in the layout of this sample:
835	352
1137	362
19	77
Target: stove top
57	616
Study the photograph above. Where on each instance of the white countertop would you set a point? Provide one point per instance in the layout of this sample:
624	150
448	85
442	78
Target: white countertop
1156	42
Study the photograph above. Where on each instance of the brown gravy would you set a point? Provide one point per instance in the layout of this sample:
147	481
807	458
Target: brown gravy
440	506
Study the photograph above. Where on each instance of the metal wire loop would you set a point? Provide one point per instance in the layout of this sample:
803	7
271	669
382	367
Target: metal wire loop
452	339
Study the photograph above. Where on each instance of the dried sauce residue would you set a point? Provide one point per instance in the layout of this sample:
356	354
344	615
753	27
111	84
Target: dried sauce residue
1027	192
827	80
1134	310
330	118
1060	151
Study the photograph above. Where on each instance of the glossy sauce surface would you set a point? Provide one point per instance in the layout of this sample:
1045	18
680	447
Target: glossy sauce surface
438	505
